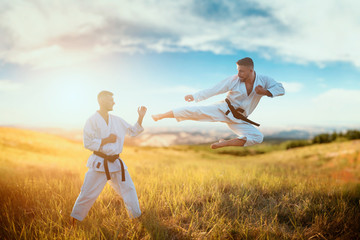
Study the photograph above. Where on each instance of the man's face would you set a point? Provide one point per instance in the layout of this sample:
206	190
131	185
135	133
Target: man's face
107	102
243	72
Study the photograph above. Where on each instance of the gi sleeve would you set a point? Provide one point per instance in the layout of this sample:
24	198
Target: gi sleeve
90	141
275	88
132	130
222	87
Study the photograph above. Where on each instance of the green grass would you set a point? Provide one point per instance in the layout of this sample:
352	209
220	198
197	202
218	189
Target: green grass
185	192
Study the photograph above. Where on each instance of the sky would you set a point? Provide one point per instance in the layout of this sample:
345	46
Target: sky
55	56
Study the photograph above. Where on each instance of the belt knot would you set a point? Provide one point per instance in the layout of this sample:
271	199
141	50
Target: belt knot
111	158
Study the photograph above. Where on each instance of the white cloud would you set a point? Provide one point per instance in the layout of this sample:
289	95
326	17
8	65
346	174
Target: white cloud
181	89
292	87
324	31
335	107
49	56
337	104
339	98
7	85
51	33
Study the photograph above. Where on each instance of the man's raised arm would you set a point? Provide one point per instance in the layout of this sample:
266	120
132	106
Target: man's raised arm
222	87
141	111
274	88
137	128
262	91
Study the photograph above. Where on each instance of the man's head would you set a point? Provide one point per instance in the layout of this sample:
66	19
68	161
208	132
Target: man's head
245	67
106	101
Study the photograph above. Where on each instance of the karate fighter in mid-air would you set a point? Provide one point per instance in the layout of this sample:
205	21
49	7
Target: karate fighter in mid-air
104	135
244	92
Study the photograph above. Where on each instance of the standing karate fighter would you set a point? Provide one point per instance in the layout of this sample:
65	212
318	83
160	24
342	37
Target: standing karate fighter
244	93
104	135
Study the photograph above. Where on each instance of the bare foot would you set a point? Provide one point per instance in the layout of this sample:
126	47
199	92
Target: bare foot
156	117
73	221
217	144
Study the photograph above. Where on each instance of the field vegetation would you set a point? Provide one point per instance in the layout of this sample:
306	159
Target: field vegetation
185	192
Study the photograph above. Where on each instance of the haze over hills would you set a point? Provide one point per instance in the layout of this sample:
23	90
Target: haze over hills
166	136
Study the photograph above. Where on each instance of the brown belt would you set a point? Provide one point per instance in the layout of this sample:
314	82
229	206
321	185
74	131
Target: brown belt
237	113
111	158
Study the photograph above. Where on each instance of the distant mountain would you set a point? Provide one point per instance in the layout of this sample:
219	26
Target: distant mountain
291	134
168	138
187	136
177	138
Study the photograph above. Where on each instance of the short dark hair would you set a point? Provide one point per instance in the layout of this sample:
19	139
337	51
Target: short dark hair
103	93
246	62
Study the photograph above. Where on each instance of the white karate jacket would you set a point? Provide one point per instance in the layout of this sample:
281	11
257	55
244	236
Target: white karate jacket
96	129
237	93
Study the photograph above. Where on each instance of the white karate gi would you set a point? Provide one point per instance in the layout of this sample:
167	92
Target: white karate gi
95	179
237	94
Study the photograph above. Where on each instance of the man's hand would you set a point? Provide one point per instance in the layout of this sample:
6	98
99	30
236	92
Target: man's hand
189	98
142	111
262	91
110	139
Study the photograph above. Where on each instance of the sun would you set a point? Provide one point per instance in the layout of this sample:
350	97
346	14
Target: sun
71	94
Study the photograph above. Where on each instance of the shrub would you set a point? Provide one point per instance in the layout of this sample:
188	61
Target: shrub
298	143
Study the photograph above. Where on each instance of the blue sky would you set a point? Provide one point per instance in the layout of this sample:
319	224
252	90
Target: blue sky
56	56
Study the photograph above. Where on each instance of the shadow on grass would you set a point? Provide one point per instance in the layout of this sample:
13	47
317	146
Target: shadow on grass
330	214
158	229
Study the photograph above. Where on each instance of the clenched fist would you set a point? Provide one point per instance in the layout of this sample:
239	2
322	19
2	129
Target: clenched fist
189	98
111	138
262	91
142	110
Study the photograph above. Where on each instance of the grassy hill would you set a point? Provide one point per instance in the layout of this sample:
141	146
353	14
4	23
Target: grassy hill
185	192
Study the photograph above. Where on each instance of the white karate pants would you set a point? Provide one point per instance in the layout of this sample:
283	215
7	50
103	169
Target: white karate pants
94	183
213	113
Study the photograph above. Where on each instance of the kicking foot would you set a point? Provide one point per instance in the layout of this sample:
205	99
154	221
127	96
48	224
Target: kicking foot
156	117
218	144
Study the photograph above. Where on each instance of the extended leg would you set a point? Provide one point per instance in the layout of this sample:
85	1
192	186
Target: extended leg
210	113
160	116
93	185
128	193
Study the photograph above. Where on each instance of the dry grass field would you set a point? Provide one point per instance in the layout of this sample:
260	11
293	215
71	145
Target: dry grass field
185	192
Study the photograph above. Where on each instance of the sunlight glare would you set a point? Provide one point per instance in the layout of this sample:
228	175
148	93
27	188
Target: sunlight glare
72	95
